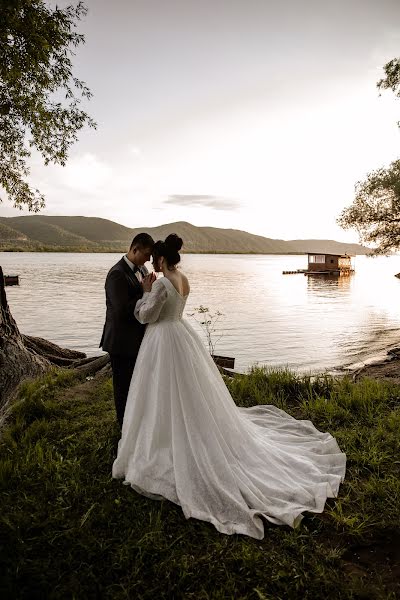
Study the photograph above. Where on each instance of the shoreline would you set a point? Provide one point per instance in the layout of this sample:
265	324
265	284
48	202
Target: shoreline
66	250
376	367
386	368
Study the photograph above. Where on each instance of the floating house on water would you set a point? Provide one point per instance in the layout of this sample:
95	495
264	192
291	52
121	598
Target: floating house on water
327	264
336	264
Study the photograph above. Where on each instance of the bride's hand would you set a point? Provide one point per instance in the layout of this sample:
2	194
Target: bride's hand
148	281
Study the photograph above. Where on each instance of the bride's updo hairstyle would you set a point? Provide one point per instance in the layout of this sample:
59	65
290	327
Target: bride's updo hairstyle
169	250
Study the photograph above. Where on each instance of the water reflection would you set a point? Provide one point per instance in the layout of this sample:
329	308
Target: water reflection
327	284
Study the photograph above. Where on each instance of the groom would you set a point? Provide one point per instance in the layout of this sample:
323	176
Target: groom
122	333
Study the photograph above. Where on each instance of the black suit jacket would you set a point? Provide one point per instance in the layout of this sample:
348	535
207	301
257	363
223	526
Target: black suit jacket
122	333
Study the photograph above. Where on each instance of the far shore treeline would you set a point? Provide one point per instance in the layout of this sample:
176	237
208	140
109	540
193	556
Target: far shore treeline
39	233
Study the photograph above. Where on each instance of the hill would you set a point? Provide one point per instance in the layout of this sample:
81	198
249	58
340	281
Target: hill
8	234
92	234
327	246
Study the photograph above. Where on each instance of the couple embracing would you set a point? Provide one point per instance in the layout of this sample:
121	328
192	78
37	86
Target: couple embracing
183	437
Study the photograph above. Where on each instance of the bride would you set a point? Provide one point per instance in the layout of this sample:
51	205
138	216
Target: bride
184	439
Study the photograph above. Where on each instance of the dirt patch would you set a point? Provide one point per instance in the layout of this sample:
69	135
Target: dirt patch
85	387
378	556
388	369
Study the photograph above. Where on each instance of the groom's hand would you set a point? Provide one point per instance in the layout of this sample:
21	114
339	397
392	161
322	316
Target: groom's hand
148	281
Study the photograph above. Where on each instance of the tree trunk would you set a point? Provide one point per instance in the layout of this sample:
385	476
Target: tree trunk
25	356
53	353
16	361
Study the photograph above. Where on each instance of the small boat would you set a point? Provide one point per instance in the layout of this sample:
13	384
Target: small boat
224	361
11	279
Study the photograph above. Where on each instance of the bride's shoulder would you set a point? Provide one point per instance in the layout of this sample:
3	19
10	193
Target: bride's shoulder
185	283
160	288
184	277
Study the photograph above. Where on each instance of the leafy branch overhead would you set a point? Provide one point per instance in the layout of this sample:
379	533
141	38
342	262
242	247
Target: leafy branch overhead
375	212
391	81
39	96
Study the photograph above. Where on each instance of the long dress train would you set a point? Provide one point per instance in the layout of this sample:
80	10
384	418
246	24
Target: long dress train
184	439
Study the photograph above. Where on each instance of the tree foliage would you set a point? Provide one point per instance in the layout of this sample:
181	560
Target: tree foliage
391	81
375	212
39	96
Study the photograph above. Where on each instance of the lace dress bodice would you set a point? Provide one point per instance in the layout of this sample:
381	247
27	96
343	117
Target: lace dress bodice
163	303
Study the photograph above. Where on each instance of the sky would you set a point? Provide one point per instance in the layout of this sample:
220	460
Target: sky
256	115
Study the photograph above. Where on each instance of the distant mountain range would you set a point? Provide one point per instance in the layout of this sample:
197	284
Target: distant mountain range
91	234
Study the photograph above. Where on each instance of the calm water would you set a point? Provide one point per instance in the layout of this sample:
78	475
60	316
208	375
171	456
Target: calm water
307	323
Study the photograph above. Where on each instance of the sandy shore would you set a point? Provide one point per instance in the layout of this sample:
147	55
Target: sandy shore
387	369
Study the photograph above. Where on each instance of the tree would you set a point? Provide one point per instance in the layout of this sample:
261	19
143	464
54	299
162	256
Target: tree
16	362
375	212
39	96
38	109
391	81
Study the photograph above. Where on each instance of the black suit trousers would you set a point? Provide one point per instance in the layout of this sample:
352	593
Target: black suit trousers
122	369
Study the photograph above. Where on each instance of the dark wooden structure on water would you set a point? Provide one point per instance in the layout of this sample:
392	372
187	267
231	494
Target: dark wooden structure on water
226	362
11	279
326	264
336	264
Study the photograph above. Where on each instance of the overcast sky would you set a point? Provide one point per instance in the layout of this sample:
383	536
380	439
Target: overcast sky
248	114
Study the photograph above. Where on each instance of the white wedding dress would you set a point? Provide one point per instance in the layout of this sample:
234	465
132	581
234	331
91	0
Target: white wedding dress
184	439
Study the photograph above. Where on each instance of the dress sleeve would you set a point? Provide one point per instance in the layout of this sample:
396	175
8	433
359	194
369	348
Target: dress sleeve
148	308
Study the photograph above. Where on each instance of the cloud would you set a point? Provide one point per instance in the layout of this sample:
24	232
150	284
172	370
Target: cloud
134	150
215	202
84	175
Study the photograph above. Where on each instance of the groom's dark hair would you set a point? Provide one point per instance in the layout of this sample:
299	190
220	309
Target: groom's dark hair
142	240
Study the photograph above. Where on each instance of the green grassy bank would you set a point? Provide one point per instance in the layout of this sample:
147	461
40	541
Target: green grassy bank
67	530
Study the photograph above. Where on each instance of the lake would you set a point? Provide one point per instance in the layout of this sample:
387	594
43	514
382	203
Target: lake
308	323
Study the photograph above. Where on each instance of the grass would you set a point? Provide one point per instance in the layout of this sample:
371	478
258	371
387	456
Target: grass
67	530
